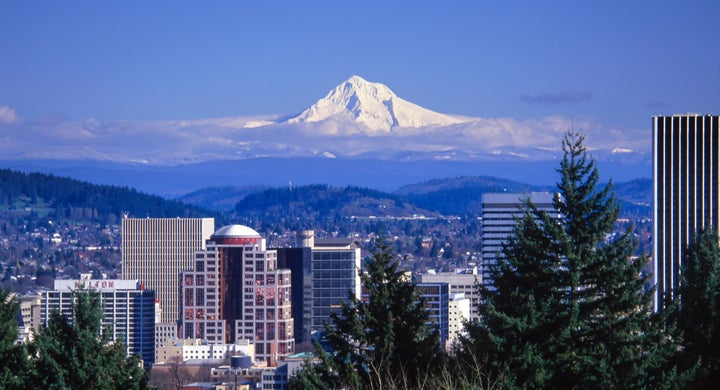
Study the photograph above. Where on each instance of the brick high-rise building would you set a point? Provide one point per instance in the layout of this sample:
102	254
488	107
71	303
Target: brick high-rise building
236	292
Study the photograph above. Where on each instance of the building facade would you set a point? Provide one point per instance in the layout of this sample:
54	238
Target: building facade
499	211
155	250
324	270
464	282
335	265
128	309
686	177
236	292
436	297
180	350
458	314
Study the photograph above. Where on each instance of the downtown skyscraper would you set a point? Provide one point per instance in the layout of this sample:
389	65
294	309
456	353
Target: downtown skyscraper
234	291
499	214
156	250
686	177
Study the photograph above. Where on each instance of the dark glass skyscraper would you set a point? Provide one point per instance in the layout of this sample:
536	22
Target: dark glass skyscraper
686	177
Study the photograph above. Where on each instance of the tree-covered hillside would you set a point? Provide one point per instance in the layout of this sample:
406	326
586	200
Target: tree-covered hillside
53	227
63	198
321	203
461	195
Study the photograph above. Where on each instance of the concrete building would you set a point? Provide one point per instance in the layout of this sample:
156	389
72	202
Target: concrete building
164	332
499	211
464	281
437	298
186	349
128	309
30	311
458	314
235	291
156	250
686	193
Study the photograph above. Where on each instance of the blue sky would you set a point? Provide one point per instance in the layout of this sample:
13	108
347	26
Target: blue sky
618	62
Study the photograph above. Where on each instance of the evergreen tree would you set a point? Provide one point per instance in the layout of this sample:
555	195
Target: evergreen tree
568	308
77	354
699	308
384	339
13	358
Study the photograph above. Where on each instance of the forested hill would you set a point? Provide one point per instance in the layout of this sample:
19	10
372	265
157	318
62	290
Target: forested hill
322	202
63	198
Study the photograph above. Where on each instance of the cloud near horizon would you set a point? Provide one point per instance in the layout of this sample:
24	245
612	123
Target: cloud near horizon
564	97
222	138
7	115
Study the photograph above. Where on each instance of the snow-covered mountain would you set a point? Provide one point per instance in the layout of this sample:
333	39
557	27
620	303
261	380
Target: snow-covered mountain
373	105
356	119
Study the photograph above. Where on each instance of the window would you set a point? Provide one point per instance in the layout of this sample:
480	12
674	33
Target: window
188	297
200	297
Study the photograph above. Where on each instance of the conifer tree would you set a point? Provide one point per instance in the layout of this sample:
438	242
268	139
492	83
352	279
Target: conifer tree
13	358
568	307
699	308
383	339
77	355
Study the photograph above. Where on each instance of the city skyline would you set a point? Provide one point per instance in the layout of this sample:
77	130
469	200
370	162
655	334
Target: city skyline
615	64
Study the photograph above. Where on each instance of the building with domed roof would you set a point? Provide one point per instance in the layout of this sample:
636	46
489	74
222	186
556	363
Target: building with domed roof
236	292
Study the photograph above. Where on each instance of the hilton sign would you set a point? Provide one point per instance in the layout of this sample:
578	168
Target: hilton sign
99	284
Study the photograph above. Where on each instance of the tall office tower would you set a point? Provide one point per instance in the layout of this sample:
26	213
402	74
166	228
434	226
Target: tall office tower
686	177
461	282
155	250
128	310
236	292
437	298
499	212
335	265
297	260
323	272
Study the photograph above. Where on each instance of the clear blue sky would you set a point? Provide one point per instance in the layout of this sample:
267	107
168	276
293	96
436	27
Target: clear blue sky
619	62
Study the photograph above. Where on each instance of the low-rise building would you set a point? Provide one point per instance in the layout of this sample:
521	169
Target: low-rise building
186	349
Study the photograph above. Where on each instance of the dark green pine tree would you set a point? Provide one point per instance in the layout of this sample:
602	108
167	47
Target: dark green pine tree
380	342
699	308
568	307
77	355
13	358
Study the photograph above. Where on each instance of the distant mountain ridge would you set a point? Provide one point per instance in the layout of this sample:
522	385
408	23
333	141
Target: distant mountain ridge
450	196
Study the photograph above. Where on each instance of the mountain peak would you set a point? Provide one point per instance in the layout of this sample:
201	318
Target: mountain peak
371	104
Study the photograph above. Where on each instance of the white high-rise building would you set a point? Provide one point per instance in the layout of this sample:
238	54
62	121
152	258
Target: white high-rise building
128	310
156	250
686	182
499	213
